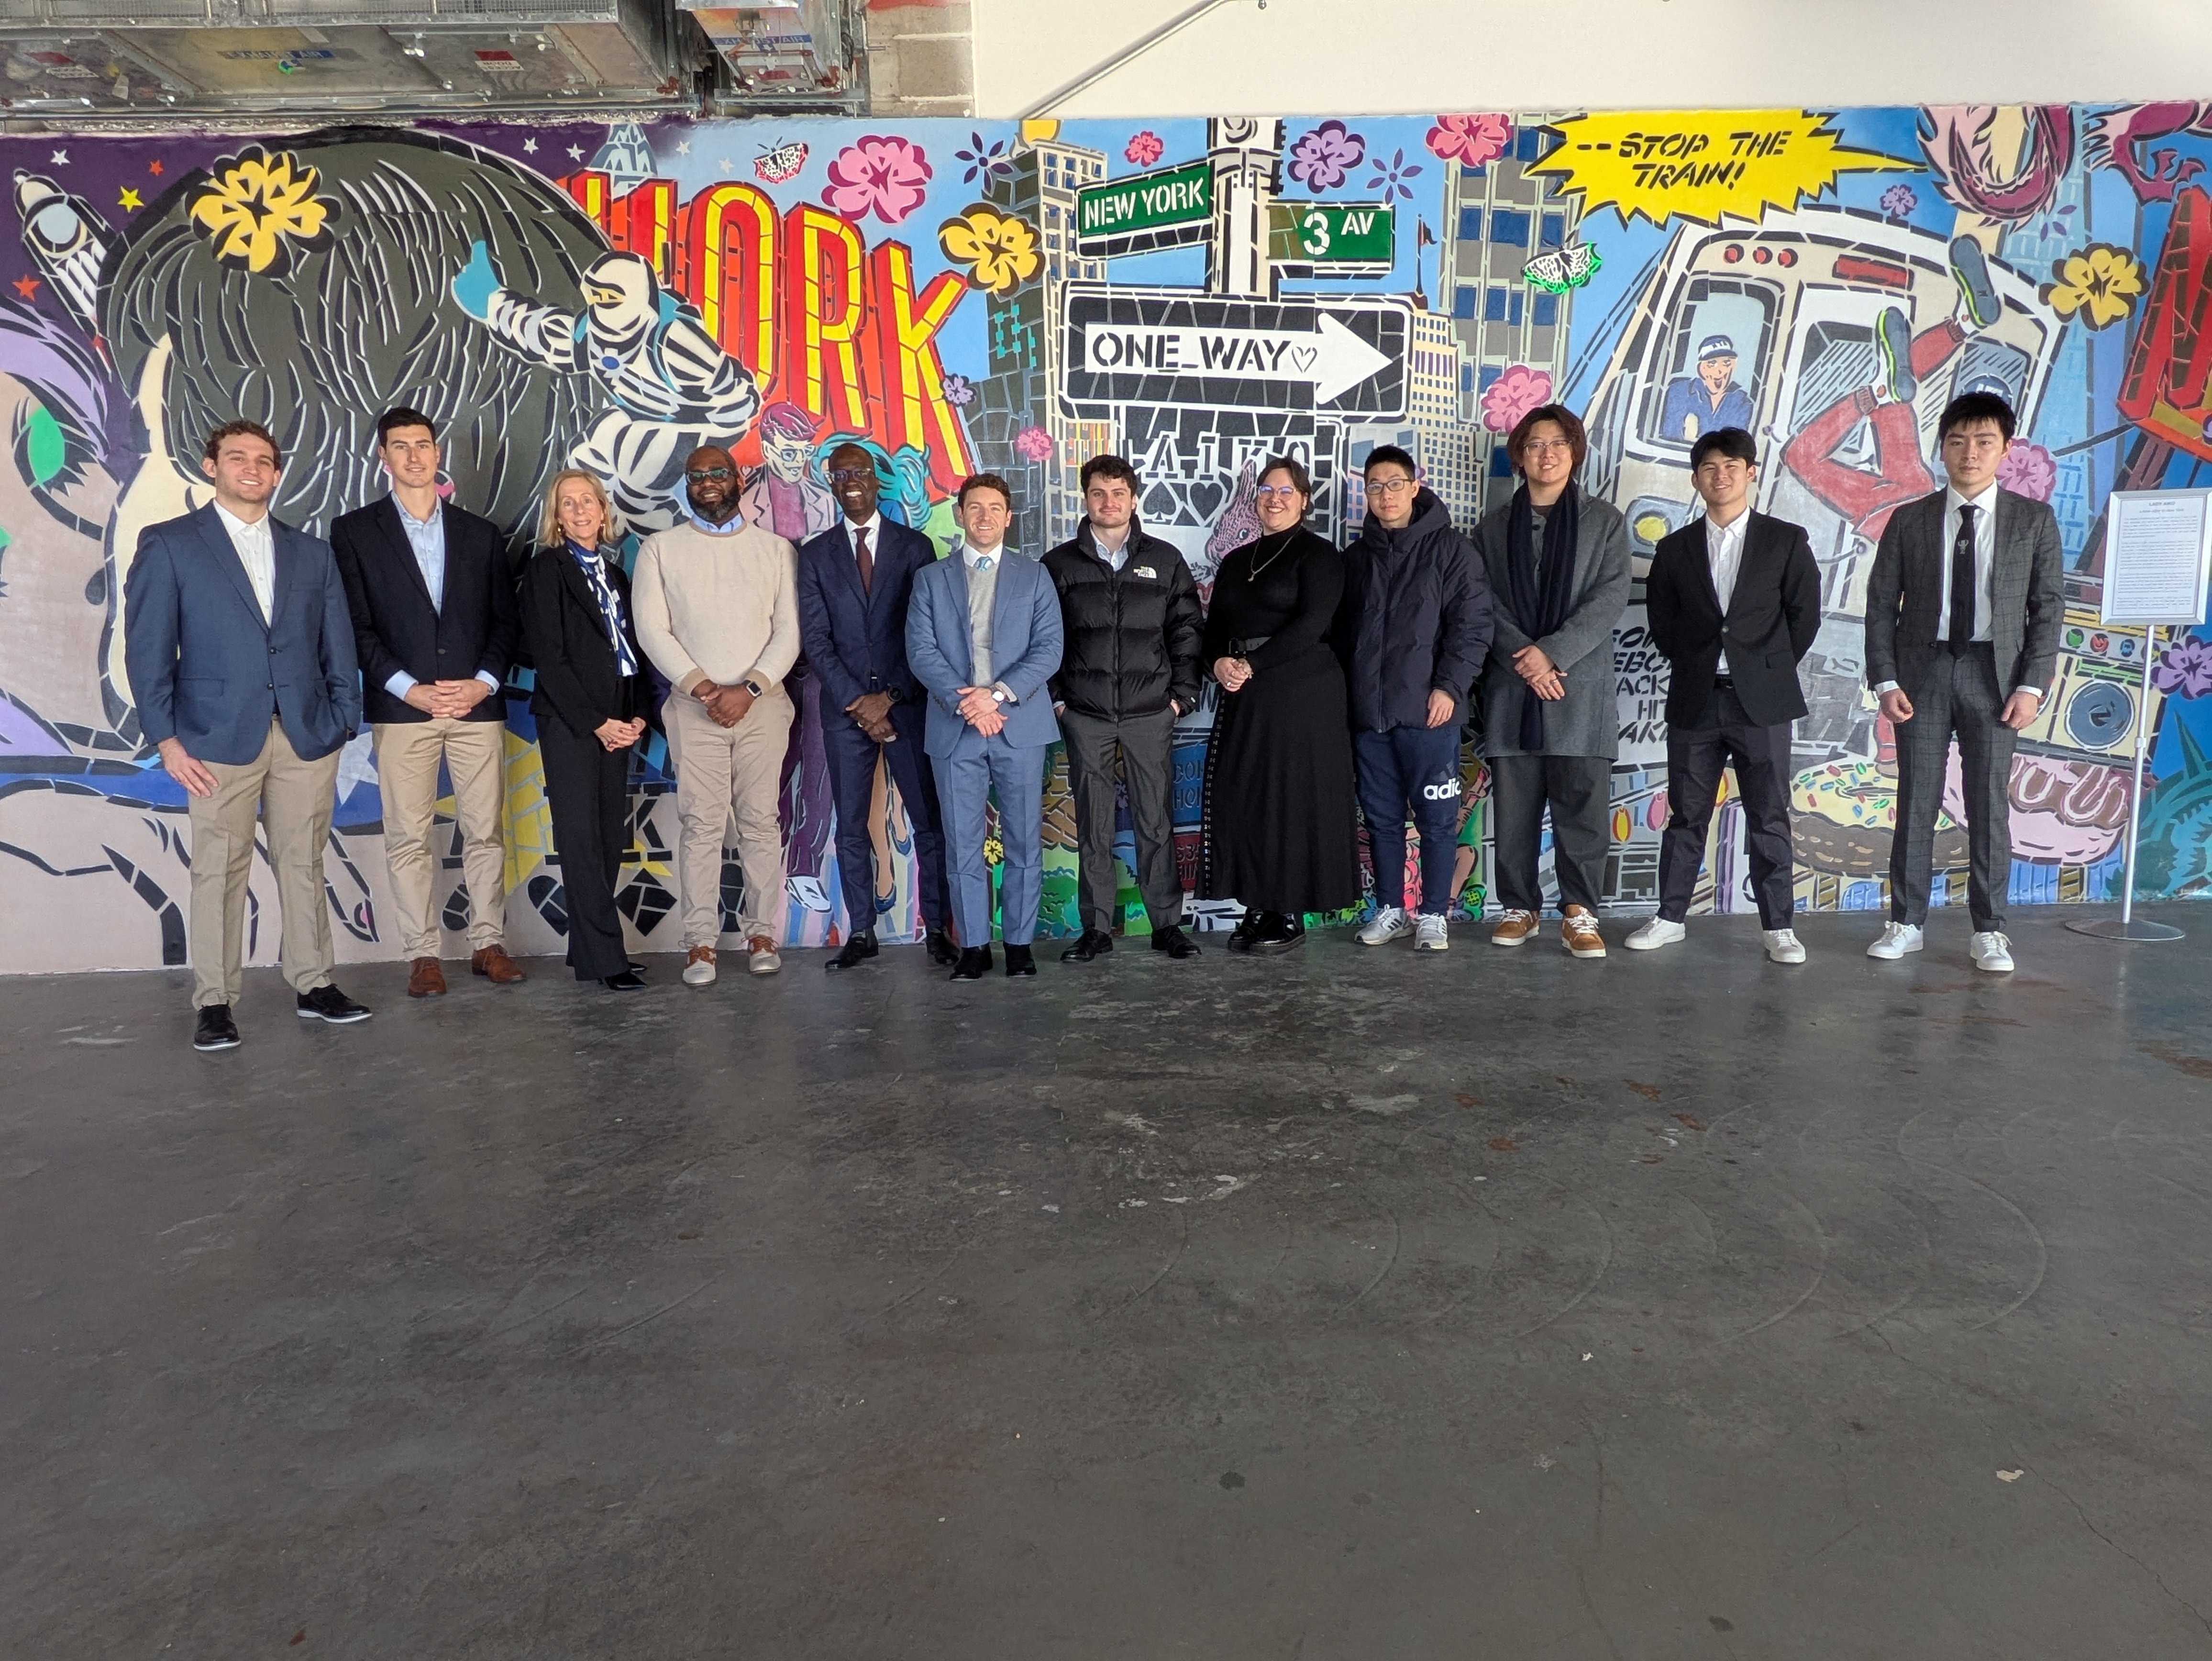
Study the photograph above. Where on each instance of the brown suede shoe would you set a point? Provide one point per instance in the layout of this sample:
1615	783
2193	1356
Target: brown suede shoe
495	966
1578	932
425	979
1514	928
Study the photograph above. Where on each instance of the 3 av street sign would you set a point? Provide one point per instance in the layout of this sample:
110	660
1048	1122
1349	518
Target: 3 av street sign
1171	209
1171	347
1331	238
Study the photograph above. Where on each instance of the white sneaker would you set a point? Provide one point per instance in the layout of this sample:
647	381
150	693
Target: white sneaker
1897	939
1991	951
1430	934
1389	924
1782	946
1655	934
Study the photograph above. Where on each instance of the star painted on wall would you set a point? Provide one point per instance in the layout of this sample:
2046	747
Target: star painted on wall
530	146
27	287
575	152
726	164
61	158
128	200
154	168
683	147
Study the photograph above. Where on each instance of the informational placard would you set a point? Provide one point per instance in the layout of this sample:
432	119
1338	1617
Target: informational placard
2158	555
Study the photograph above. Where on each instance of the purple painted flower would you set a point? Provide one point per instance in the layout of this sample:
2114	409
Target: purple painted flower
1898	201
1390	176
2029	469
985	162
2185	667
959	391
1324	158
1033	444
1144	148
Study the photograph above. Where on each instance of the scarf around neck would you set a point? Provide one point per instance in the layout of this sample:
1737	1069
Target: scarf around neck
1540	597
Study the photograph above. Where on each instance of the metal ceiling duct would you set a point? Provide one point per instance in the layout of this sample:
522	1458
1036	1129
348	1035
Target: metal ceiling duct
93	60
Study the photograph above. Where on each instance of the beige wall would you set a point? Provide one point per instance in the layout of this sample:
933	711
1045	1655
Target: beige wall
1416	56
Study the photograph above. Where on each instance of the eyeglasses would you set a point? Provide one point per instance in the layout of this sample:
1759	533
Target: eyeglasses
1542	446
1280	492
702	475
1388	487
850	475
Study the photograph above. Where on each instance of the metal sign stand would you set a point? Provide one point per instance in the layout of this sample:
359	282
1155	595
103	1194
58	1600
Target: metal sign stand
2127	925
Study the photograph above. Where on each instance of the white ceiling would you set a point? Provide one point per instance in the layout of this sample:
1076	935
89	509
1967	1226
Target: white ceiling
1383	57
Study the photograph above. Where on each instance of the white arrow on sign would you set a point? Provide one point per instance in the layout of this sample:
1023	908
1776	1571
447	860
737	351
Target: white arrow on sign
1333	358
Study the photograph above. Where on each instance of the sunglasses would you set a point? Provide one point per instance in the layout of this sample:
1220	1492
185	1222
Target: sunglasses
702	475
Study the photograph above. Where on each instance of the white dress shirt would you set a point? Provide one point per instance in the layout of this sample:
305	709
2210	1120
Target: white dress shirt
1724	556
256	547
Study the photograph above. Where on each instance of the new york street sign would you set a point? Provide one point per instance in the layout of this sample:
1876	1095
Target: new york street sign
1171	209
1331	238
1177	348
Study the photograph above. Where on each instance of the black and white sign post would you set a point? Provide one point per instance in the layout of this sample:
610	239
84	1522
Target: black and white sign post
2158	558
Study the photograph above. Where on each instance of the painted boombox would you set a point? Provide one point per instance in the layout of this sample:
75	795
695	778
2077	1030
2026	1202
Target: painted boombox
2090	707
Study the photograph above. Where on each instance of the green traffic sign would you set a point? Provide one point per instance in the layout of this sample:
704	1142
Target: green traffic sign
1331	236
1163	210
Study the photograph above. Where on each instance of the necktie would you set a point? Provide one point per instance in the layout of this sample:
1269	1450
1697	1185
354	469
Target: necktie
1962	581
983	562
867	561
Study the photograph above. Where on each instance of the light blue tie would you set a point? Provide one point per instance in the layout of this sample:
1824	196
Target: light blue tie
982	561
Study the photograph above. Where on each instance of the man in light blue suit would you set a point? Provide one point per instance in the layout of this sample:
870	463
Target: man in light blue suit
241	651
983	637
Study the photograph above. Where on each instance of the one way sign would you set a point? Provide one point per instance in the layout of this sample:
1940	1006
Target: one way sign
1170	347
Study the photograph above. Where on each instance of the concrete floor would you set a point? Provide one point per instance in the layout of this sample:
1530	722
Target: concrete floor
1348	1306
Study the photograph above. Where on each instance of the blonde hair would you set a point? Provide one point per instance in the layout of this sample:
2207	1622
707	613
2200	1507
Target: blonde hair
550	533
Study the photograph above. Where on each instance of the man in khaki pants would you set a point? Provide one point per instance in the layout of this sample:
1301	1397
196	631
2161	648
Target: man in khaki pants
715	602
434	620
240	656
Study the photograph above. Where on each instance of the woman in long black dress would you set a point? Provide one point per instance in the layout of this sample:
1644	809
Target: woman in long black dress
1279	829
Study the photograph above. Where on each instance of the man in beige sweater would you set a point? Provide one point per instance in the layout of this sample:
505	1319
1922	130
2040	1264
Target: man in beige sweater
715	601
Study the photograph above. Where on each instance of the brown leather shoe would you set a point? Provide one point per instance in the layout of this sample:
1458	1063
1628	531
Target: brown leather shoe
495	966
1578	932
1514	928
425	979
761	957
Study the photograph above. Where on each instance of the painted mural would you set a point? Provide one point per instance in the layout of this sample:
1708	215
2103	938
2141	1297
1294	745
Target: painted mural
1194	295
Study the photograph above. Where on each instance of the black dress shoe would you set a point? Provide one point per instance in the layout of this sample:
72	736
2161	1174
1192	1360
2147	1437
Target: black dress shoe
974	963
940	947
1173	941
1094	943
327	1003
628	980
215	1030
1276	933
855	952
1020	961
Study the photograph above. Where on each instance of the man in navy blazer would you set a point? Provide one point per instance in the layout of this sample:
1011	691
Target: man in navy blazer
435	624
983	637
856	580
241	654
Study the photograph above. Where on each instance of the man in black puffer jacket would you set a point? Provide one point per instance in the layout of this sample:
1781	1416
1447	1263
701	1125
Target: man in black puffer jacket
1129	668
1413	630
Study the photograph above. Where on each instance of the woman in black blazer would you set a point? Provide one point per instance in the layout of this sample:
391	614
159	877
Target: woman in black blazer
590	703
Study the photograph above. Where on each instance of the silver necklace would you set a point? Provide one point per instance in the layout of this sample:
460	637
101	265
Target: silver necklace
1289	537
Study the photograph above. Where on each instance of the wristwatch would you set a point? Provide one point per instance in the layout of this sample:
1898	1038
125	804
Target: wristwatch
998	695
752	686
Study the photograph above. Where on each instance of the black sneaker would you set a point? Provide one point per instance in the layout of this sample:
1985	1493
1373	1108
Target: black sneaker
215	1029
1892	345
327	1003
1971	266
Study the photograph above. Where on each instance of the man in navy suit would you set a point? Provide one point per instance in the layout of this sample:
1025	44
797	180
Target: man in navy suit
854	583
434	623
241	655
983	637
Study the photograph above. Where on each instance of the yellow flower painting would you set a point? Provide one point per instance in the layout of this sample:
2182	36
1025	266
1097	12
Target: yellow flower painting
2101	283
999	250
259	208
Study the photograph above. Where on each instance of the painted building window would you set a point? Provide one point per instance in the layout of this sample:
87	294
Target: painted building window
1546	314
1555	230
1493	304
1510	226
1464	300
1470	224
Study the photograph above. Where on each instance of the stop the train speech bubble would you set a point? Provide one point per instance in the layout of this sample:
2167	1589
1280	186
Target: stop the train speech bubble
1700	164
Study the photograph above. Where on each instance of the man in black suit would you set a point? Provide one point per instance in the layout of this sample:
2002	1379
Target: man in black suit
1733	601
434	620
1964	603
855	581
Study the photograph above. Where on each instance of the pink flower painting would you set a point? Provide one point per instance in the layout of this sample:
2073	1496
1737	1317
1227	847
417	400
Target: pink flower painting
1033	444
1324	157
2029	469
1144	148
1470	140
1512	395
880	175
